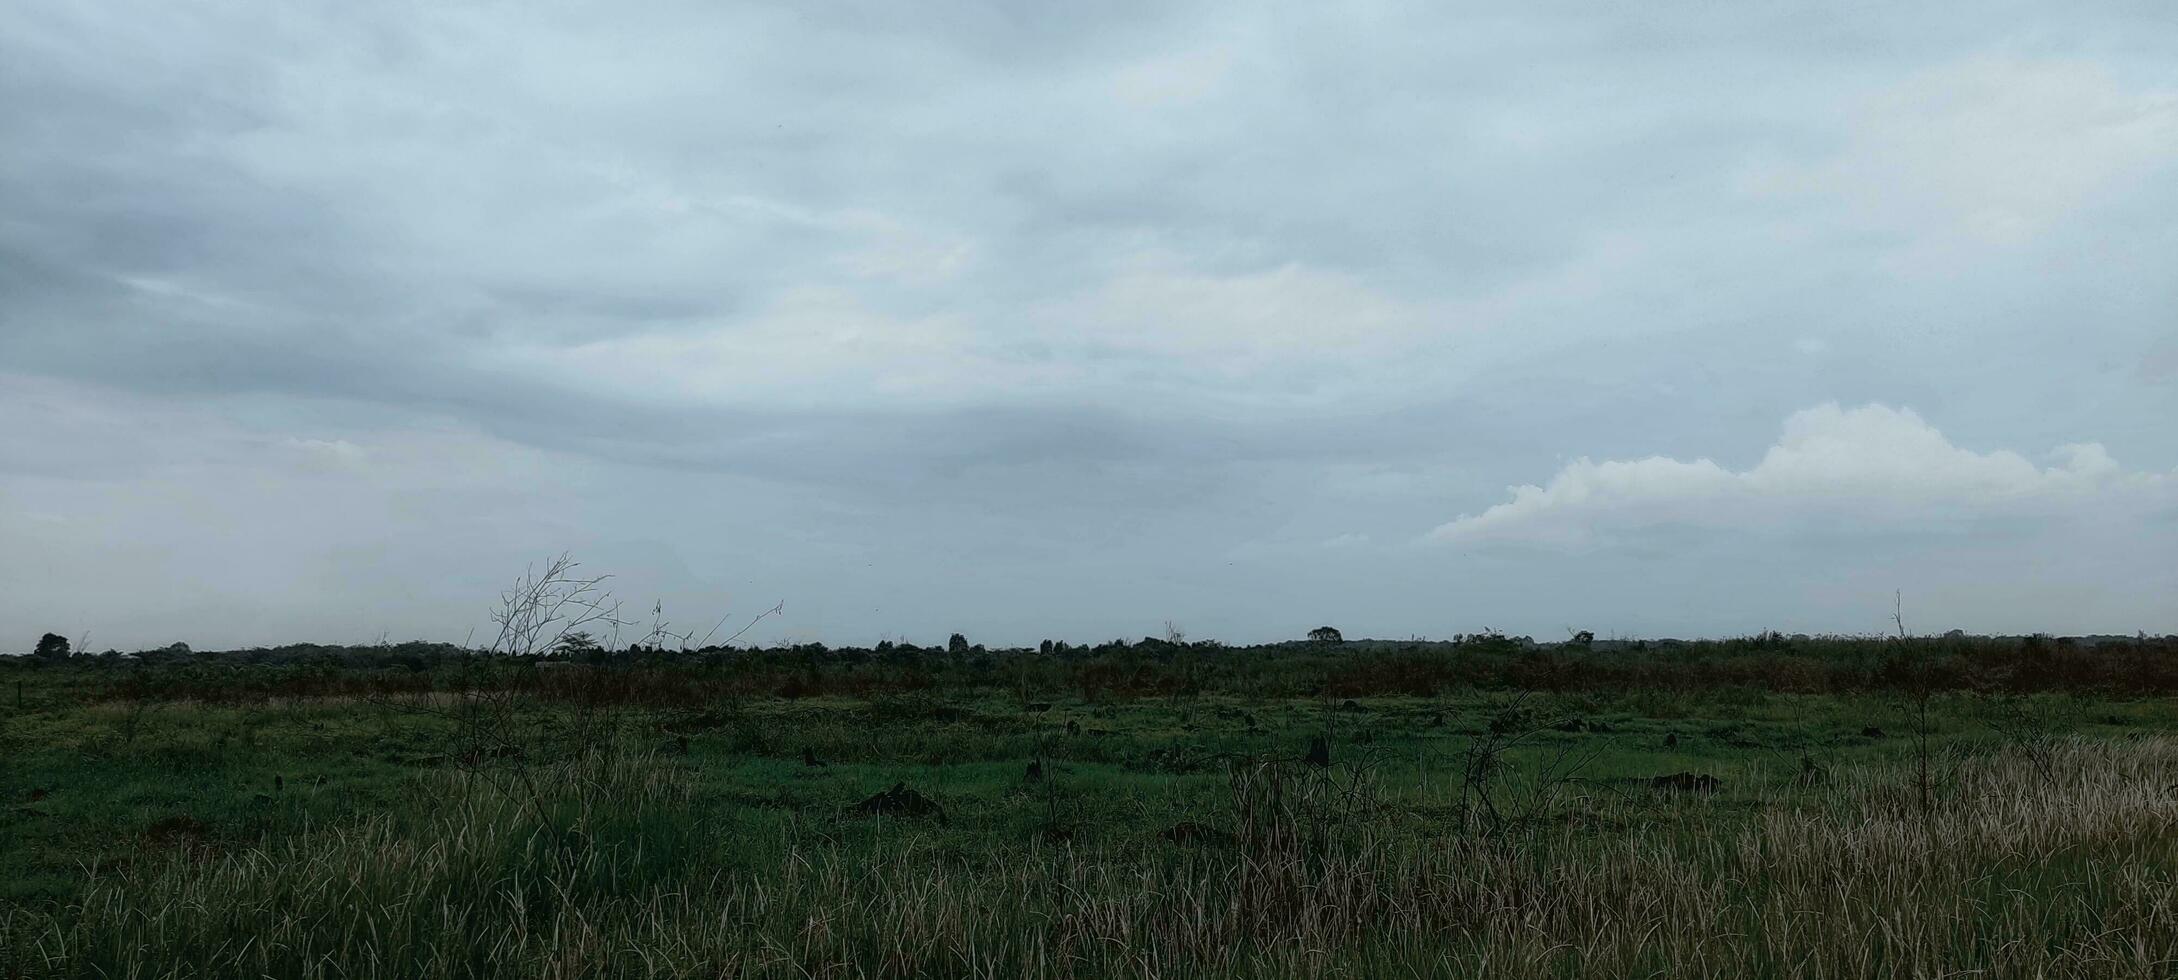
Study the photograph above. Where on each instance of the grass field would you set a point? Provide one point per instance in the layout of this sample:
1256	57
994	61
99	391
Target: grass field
510	829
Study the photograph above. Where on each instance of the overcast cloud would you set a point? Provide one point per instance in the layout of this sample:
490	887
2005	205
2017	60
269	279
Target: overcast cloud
319	320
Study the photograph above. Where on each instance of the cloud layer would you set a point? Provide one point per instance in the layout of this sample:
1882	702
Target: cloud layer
1873	469
1028	320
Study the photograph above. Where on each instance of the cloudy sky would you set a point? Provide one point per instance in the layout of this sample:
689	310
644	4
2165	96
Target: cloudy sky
319	320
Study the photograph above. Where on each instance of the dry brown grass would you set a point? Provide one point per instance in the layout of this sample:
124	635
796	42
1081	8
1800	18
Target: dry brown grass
2067	870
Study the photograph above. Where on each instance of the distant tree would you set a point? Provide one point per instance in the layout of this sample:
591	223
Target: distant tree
958	644
1584	638
1044	648
577	644
52	646
1326	634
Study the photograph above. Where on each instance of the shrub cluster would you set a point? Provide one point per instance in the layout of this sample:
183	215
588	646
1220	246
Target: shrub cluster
2139	665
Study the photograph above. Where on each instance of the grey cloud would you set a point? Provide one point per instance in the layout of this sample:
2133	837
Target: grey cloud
1049	308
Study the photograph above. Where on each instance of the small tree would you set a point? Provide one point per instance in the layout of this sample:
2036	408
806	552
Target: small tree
52	646
957	645
1326	634
578	645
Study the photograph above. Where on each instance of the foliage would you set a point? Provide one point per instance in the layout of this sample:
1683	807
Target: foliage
52	646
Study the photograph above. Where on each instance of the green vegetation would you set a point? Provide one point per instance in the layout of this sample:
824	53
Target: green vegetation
1762	807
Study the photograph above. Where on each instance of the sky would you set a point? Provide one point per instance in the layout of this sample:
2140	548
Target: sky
321	321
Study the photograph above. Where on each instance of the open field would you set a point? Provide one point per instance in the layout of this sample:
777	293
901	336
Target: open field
734	815
1346	491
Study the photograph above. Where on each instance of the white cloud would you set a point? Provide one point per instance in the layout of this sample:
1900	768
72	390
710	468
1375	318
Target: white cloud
1871	467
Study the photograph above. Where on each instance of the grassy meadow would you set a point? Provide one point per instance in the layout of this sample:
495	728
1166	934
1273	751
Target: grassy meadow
1774	809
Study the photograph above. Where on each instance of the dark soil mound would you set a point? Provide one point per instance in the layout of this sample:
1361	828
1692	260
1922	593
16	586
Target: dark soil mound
900	801
1688	782
181	830
696	724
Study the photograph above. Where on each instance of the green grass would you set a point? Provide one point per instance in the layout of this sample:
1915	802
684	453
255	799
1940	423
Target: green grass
341	837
